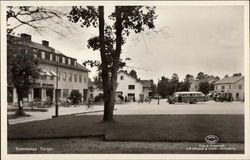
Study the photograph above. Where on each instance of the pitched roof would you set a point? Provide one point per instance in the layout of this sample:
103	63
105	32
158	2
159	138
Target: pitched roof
229	80
137	80
77	67
146	83
32	44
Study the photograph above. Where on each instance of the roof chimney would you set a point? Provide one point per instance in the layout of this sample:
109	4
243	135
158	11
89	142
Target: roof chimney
45	43
26	37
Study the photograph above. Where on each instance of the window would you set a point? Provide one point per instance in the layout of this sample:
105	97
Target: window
66	60
121	78
43	54
65	93
51	78
80	78
54	57
216	87
39	55
60	59
85	79
131	86
72	62
47	56
70	77
229	86
240	86
75	77
222	87
64	76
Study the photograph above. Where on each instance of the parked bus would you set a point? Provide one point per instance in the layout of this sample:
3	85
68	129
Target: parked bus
187	97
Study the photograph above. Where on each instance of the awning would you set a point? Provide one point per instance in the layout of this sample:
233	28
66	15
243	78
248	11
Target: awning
45	73
53	73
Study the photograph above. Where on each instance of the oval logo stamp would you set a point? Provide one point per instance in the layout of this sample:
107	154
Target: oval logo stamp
211	139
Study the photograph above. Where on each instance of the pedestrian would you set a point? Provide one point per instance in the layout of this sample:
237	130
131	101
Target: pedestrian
89	102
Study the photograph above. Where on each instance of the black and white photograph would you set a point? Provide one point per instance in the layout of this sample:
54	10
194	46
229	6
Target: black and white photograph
124	79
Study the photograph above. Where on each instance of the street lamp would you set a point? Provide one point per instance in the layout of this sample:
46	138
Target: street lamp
56	91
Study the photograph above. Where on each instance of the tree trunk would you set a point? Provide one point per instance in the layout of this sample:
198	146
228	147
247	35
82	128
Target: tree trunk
110	104
108	112
19	99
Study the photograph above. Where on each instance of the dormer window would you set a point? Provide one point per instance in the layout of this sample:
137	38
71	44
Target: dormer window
73	62
54	57
60	59
66	60
47	56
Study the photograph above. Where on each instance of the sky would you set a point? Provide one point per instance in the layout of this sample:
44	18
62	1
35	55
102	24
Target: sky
186	40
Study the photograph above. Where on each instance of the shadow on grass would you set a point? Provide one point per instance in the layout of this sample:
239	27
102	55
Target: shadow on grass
14	116
151	128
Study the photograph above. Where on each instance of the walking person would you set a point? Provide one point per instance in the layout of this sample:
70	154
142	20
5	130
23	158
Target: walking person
89	102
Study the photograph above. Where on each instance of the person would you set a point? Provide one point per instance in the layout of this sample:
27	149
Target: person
89	102
68	101
74	101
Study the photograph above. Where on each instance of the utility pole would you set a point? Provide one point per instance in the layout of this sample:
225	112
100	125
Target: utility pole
56	91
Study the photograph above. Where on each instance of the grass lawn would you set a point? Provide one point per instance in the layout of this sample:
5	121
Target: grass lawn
151	128
14	116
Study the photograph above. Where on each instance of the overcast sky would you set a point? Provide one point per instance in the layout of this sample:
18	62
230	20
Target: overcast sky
186	40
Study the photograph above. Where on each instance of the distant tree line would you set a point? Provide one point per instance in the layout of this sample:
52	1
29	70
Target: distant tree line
167	87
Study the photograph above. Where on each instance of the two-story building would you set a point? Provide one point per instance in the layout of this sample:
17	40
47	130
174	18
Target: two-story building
231	87
59	73
133	88
195	83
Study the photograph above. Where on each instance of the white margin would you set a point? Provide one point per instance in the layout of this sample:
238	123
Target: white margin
6	156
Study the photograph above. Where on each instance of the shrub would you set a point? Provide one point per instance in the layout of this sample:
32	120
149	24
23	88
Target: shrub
75	96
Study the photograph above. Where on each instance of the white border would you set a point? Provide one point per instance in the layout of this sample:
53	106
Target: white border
121	156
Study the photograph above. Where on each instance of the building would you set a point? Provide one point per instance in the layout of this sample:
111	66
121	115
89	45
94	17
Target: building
56	67
195	83
133	88
94	90
128	86
147	88
231	87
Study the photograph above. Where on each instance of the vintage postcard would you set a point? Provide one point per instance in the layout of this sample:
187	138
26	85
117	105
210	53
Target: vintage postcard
124	80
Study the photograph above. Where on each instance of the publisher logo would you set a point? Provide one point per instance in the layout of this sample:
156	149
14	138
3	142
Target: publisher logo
211	139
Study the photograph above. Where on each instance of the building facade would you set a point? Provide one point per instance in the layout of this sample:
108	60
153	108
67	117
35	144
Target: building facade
195	83
231	87
59	73
128	86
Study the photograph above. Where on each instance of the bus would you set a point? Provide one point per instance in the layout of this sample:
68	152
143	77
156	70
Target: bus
187	97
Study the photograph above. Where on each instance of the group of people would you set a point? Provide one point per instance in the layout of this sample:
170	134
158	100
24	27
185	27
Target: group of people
74	101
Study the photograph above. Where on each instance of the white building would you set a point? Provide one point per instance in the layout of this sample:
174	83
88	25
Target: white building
70	74
129	86
231	87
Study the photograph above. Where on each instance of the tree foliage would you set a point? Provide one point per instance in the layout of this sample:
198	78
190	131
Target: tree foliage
133	73
22	68
204	87
110	40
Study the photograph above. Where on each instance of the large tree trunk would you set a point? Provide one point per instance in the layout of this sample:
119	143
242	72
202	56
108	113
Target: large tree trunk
109	82
108	111
108	115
